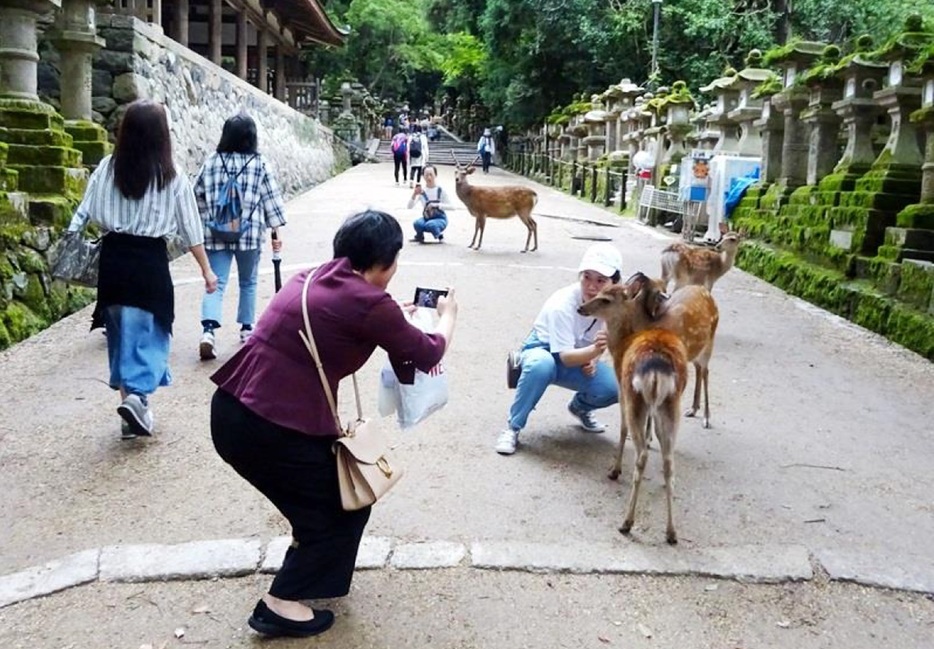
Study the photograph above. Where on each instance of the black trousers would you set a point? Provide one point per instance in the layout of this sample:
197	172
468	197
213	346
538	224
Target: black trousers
298	474
487	158
400	160
416	172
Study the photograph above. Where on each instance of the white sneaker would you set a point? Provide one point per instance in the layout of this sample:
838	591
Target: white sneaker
137	415
586	419
206	348
507	441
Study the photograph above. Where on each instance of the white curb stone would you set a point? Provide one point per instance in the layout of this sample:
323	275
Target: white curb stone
374	552
196	560
745	563
73	570
875	569
275	553
434	554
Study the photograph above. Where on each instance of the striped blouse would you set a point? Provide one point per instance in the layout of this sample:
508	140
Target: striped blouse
159	213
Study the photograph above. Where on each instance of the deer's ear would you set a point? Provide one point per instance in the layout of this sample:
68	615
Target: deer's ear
470	170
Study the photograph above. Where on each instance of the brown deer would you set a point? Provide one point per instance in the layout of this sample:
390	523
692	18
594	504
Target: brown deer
495	203
651	366
690	313
686	264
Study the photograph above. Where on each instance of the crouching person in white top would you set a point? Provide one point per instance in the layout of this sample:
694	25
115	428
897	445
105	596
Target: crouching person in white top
564	348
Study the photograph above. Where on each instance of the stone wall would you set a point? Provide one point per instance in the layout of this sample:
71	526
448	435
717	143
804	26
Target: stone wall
139	61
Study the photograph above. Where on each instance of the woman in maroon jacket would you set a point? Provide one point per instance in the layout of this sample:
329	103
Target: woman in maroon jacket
271	422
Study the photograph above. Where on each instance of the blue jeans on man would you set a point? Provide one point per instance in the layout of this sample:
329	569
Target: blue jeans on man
434	226
541	368
247	270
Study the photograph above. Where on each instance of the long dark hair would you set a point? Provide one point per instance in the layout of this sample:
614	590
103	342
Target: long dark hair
143	153
370	239
239	135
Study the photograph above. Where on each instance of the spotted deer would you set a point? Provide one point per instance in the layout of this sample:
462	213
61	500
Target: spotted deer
495	203
651	366
686	264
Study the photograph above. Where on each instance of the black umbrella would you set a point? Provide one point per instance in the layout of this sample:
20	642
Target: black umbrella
276	261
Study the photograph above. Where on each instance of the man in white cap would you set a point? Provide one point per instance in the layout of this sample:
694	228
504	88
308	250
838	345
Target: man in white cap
486	148
564	349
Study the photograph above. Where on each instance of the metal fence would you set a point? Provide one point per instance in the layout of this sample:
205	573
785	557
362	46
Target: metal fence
584	179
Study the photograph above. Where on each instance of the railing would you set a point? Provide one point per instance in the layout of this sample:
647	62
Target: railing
582	179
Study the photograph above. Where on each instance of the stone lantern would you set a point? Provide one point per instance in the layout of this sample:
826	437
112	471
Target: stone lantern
825	89
793	60
858	111
595	121
678	105
726	99
621	98
749	108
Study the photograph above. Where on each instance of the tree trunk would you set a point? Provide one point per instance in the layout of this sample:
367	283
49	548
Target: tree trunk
782	10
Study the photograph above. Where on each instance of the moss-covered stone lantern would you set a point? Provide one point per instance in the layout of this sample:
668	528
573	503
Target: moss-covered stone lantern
749	107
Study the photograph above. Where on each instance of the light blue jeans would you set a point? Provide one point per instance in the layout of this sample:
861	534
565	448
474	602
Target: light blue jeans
541	368
435	226
137	350
247	269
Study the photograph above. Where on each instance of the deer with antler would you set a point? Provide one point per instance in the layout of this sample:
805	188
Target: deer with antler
495	203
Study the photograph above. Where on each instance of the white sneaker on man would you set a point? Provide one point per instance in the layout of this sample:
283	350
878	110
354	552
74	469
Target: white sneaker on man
586	419
137	415
507	442
206	348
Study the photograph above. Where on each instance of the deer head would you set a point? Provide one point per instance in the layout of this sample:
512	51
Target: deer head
461	173
607	303
730	241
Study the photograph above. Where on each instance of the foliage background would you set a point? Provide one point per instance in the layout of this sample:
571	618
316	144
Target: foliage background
523	58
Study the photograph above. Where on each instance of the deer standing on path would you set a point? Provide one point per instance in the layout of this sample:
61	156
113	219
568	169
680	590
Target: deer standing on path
651	366
686	264
495	203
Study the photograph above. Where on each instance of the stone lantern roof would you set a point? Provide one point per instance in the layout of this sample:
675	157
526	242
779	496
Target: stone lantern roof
596	114
752	74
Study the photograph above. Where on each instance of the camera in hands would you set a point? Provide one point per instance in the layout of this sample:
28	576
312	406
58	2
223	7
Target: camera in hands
428	297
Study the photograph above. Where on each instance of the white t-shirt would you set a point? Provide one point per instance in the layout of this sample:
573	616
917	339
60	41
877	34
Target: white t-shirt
559	324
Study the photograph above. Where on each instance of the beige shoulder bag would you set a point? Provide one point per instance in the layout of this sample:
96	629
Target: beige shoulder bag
364	471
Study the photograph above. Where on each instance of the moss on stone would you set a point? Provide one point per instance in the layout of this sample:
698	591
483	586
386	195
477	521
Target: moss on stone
916	216
21	322
912	329
917	284
24	154
5	340
37	116
36	138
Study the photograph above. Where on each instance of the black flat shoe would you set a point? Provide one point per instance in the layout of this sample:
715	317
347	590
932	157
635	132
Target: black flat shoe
270	624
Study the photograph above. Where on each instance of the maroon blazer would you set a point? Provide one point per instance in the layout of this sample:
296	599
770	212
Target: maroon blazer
274	375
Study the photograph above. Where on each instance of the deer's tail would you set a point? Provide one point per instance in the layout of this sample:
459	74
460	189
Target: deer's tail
655	378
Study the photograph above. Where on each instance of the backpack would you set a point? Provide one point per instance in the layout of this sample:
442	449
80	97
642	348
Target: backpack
415	149
399	143
227	222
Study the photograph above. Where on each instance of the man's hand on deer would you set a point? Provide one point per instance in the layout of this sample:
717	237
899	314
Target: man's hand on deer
599	342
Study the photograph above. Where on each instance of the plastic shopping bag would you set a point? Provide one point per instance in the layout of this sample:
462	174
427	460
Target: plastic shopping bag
413	403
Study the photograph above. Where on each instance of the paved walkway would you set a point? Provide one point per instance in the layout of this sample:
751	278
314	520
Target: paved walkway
818	468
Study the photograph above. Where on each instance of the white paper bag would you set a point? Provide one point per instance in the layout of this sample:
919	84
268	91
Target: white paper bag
413	403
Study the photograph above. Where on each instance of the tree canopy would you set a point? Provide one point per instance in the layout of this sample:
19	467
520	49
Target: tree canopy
523	58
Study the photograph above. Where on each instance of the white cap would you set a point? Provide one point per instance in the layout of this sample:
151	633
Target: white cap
602	258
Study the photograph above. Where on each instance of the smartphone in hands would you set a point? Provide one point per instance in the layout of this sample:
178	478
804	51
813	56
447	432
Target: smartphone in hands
428	297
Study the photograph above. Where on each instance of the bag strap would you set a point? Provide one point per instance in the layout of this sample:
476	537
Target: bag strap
308	338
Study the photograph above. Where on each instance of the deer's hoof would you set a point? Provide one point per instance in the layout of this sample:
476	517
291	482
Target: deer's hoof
613	474
690	412
626	528
671	537
706	423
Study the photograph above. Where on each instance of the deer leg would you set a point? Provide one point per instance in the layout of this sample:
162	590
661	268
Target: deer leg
476	229
528	238
534	233
667	424
706	398
636	421
617	467
698	378
481	224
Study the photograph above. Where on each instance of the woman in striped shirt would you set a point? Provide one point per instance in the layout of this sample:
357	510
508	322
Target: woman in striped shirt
138	199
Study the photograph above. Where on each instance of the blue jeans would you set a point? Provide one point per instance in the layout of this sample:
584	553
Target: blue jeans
434	226
137	350
541	368
247	269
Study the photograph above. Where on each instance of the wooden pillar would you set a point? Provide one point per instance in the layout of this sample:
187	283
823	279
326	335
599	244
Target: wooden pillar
262	61
280	72
156	12
241	44
180	23
215	31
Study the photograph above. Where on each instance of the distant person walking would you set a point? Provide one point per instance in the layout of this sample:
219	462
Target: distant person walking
487	149
400	156
418	154
137	198
237	167
387	127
